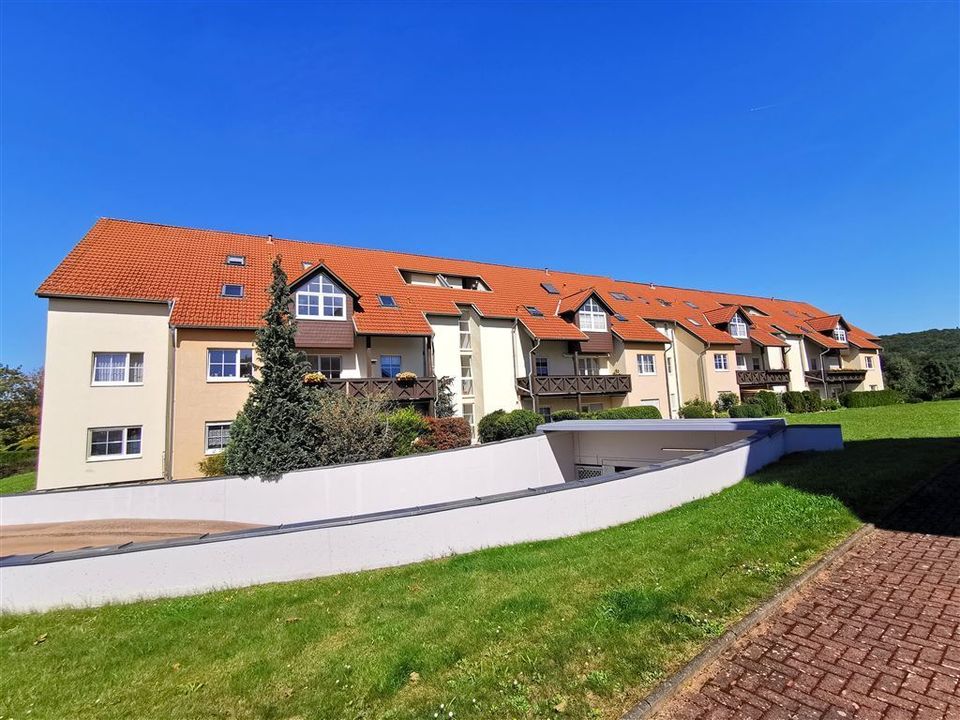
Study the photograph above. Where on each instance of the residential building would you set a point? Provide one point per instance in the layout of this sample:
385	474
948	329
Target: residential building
150	341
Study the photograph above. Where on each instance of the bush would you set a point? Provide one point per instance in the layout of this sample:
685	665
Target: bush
565	415
636	412
213	465
794	401
696	409
13	462
444	433
500	425
873	398
406	426
348	429
769	401
831	404
725	401
937	377
747	410
812	402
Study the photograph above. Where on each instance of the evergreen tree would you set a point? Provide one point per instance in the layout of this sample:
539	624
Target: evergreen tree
272	434
937	377
444	404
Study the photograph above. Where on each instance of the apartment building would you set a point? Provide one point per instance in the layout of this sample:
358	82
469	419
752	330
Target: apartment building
150	341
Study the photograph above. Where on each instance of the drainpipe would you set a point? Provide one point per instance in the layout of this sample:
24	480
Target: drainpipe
171	394
823	372
534	398
703	374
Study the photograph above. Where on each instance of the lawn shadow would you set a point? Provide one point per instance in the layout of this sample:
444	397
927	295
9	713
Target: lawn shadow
909	485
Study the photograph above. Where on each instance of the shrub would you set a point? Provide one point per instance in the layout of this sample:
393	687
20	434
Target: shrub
831	404
213	465
812	402
565	415
348	429
871	398
13	462
725	401
406	426
500	425
794	401
747	410
770	402
636	412
444	405
444	433
696	409
937	378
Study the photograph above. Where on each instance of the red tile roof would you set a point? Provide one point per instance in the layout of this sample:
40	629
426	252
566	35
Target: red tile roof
134	260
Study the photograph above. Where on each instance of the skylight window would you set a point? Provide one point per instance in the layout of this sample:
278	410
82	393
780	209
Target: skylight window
232	291
236	260
307	265
621	296
690	304
387	301
533	310
619	317
665	303
693	322
550	288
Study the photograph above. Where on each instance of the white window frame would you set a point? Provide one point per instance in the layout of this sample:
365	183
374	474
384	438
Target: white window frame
316	361
720	362
868	361
466	342
239	377
468	415
224	293
592	317
539	362
646	364
584	362
207	450
839	334
742	363
124	442
738	327
466	375
128	370
328	290
399	365
236	260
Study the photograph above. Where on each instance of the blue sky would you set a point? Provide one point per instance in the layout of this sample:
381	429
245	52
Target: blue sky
804	150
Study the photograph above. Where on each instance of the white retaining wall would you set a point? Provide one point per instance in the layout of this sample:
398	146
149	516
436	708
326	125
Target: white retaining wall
327	548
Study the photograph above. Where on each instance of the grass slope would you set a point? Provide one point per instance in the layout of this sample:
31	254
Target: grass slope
24	482
574	628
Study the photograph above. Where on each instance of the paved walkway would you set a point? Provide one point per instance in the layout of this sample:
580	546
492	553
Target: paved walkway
876	637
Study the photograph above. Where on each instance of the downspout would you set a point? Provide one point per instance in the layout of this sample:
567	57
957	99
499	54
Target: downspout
703	374
534	399
171	395
823	372
666	376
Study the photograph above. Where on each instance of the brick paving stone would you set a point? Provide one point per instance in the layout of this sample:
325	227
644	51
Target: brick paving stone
875	637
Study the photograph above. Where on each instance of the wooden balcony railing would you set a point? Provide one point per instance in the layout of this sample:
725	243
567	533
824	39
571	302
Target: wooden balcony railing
419	389
764	378
577	384
838	376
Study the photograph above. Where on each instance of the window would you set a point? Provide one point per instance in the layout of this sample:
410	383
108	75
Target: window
868	360
546	413
720	361
468	416
742	362
387	301
110	443
535	311
217	435
620	317
592	317
466	343
693	322
621	296
236	260
840	334
117	368
232	291
389	366
756	364
320	298
646	365
738	327
688	303
588	366
669	364
306	265
550	288
226	365
542	366
329	365
443	281
663	302
466	375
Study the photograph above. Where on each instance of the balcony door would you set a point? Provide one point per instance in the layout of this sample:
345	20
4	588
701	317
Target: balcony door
588	366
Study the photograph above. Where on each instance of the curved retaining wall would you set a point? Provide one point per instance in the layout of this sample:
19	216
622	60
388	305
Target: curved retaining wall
327	547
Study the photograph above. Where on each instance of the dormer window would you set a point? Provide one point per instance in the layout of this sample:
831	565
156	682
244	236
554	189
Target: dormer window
387	301
442	279
592	317
232	291
839	334
236	260
320	298
738	327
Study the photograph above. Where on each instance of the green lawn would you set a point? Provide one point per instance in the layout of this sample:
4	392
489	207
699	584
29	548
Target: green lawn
574	628
24	482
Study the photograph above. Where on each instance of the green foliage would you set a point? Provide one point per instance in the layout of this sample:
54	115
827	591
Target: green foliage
273	433
406	426
794	401
696	408
565	415
348	429
812	402
900	373
831	404
725	401
906	356
443	408
13	462
19	404
20	483
871	399
938	378
444	433
635	412
923	345
500	425
213	465
31	442
771	403
748	410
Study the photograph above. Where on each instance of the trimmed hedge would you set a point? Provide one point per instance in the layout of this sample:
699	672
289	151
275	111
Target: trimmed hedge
444	433
870	398
812	401
803	402
13	462
747	410
635	412
406	426
500	425
769	401
696	409
566	415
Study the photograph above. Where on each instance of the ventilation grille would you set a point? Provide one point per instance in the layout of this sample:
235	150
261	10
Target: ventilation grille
587	472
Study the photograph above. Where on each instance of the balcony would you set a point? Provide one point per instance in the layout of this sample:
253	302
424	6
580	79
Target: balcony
420	389
577	384
762	378
838	376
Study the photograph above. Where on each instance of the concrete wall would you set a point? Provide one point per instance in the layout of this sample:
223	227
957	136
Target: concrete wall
326	548
625	449
76	329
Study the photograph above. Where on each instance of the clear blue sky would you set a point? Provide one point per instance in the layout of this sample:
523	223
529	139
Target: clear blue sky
804	150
